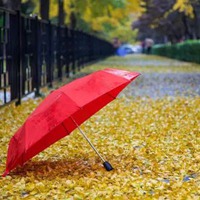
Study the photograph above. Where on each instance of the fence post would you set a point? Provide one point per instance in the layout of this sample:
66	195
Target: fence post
36	60
73	51
49	56
67	55
59	52
19	57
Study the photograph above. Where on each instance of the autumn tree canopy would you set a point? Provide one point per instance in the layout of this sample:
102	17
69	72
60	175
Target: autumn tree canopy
171	20
106	18
163	20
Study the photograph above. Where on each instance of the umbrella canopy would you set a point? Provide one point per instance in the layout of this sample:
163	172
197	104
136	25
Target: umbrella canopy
63	110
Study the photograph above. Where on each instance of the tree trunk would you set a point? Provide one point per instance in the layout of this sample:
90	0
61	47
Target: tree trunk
197	20
61	14
188	32
12	4
72	21
44	9
2	3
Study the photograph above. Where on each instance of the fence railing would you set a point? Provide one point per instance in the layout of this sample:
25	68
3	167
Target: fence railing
34	53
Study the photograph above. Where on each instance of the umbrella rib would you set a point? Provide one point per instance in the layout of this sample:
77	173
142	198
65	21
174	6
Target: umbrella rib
65	127
111	95
84	135
70	98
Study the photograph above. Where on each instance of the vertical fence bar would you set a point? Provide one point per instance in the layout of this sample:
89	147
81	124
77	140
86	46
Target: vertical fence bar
59	53
67	55
49	59
54	51
73	51
36	57
13	46
63	50
19	57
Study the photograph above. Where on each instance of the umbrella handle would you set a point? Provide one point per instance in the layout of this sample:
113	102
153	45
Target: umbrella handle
106	164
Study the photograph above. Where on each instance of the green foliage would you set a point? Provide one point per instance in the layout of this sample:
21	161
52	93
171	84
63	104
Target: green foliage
105	18
187	51
108	17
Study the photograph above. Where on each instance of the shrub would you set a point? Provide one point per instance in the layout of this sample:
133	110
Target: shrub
187	51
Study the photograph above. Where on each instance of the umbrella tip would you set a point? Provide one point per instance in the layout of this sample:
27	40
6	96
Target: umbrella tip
107	166
5	173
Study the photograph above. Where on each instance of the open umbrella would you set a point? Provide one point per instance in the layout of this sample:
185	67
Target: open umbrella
64	110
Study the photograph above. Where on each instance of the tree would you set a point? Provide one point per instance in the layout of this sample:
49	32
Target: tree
72	24
196	8
2	3
61	13
28	6
44	9
153	21
11	4
106	18
168	21
184	6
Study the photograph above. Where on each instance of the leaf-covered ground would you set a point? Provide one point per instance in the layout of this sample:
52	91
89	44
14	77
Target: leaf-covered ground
150	135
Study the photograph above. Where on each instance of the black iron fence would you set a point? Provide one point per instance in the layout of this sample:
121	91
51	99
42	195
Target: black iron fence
34	53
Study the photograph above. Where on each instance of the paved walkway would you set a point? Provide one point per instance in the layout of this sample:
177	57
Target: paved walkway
160	76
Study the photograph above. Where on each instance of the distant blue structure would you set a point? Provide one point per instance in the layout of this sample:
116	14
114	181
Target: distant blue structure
125	49
121	51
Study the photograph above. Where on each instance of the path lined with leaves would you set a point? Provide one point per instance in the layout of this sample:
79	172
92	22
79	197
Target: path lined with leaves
150	135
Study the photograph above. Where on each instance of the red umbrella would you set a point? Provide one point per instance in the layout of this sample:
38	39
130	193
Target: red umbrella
63	111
